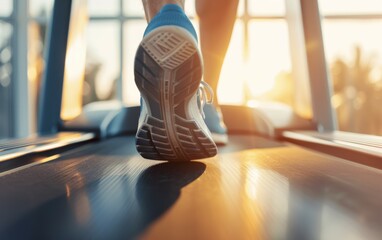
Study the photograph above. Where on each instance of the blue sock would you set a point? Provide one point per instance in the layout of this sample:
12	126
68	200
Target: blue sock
171	15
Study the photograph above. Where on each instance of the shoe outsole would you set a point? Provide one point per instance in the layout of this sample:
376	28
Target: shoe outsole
168	71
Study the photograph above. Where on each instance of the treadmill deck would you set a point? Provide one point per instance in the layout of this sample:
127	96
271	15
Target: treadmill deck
254	189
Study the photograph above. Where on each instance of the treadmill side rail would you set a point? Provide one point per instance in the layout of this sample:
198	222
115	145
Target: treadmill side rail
360	148
18	148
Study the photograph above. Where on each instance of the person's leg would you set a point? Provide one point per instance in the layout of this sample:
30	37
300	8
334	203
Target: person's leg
152	7
217	18
168	72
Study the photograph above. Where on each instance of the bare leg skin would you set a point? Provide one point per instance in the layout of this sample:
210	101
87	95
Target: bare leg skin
217	18
152	7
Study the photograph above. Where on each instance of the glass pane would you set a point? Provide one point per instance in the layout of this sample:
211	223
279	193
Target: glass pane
5	78
269	57
354	53
350	6
266	74
231	91
133	8
266	7
104	8
102	61
40	8
6	7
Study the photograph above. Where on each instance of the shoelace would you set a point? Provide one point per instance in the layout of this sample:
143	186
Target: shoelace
204	88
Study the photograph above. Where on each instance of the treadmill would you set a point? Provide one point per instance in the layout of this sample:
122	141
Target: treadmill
280	177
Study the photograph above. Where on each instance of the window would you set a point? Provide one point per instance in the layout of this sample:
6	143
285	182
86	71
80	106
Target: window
257	66
354	55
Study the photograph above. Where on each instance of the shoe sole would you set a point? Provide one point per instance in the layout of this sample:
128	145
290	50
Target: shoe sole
168	71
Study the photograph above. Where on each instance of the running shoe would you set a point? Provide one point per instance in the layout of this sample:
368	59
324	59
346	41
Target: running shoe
168	72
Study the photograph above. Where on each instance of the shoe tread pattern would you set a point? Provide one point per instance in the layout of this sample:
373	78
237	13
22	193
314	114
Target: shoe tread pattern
153	140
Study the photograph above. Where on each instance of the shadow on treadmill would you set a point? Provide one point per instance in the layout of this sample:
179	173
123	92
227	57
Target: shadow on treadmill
159	186
117	207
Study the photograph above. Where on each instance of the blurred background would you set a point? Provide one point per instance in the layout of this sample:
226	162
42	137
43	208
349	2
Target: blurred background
257	69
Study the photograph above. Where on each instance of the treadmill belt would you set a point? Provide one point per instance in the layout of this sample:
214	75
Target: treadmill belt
254	189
